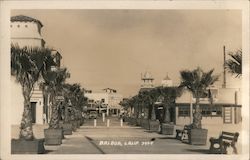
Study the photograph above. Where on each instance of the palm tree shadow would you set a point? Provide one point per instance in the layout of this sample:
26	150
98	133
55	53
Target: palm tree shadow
167	138
150	131
48	151
203	151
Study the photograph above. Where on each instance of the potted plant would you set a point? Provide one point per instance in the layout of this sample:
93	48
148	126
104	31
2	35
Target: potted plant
167	100
197	82
66	126
26	66
150	97
54	134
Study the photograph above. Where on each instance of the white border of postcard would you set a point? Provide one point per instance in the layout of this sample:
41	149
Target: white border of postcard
7	6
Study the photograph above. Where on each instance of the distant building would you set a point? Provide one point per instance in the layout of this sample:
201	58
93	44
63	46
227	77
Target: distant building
147	81
224	106
107	100
167	82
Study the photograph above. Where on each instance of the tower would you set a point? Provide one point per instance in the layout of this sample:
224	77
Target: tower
26	31
147	80
167	82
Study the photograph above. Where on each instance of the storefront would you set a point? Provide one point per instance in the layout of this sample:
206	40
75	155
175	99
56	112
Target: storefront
226	108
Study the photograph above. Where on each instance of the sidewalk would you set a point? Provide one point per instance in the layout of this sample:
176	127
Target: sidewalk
125	140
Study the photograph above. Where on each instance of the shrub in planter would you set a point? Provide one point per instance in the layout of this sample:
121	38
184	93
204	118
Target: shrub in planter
154	125
19	146
198	82
27	64
53	136
167	129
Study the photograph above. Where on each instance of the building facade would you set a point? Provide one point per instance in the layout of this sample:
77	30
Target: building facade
107	101
225	108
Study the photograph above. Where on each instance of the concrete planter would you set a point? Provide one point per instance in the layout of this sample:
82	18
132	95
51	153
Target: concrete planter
132	121
145	124
35	146
197	136
53	136
67	128
78	123
154	125
167	129
60	124
81	122
126	119
74	125
138	121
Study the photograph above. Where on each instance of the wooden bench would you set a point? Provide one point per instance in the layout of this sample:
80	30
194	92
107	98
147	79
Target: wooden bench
183	134
225	140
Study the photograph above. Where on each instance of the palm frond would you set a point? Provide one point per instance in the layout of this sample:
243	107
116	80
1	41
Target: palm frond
234	64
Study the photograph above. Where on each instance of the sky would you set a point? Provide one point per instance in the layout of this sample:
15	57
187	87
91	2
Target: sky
111	48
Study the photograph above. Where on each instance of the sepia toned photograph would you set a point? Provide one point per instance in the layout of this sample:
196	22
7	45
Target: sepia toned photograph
126	81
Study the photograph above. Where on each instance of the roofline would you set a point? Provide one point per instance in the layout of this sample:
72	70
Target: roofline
18	18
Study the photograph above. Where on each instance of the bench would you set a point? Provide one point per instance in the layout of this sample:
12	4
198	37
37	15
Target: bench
225	140
183	134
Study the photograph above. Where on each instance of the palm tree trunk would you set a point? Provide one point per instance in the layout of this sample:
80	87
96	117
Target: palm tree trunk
153	116
54	121
166	115
26	131
197	115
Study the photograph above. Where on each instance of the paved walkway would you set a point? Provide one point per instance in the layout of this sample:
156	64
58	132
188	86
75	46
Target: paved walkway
121	140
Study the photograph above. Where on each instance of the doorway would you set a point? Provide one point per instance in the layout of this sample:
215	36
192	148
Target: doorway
33	112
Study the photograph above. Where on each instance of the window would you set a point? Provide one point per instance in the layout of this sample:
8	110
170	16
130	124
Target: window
10	26
205	111
211	111
184	111
26	26
103	100
18	26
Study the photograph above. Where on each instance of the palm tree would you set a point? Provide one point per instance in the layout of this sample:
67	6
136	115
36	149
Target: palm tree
54	81
75	95
26	66
234	64
169	95
197	82
151	97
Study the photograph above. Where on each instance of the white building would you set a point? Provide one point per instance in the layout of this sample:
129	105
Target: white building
225	109
147	81
26	31
107	100
167	82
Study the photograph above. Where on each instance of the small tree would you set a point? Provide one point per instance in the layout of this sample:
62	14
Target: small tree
197	82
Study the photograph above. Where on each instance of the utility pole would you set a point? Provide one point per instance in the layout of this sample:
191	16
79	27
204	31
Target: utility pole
224	67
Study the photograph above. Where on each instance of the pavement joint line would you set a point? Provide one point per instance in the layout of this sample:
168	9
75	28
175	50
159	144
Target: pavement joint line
96	146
